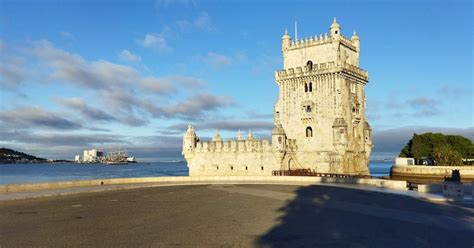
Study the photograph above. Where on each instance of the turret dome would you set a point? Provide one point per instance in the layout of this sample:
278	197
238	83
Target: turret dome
278	129
286	35
354	36
335	24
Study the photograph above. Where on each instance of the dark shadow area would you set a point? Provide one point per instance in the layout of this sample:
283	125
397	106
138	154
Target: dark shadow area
325	216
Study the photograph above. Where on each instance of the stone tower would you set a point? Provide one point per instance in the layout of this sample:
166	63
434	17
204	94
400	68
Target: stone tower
321	102
319	117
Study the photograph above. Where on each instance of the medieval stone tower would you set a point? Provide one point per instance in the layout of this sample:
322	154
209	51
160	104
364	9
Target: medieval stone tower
319	117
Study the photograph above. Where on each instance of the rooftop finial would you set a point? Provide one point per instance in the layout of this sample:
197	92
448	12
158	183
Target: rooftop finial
239	135
286	31
250	135
334	21
354	36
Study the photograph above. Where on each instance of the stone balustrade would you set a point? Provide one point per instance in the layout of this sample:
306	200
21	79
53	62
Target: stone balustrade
321	68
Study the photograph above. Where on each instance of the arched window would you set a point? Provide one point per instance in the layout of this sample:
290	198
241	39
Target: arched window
308	109
309	64
309	132
310	87
305	87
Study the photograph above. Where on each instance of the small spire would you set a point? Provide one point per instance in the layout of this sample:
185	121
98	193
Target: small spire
354	36
334	21
250	135
239	135
286	31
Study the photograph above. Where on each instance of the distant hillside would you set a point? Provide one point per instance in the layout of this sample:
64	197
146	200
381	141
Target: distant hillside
9	156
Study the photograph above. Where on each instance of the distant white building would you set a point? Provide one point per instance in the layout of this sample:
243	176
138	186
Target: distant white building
77	158
92	156
404	161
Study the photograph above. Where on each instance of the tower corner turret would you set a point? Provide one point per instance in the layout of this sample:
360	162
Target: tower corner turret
189	141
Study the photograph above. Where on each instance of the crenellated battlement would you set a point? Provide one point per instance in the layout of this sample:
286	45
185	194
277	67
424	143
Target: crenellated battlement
320	40
319	69
310	41
234	146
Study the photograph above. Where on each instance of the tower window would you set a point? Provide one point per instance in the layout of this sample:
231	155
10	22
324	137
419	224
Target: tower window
309	64
305	87
308	109
232	168
310	87
309	132
335	32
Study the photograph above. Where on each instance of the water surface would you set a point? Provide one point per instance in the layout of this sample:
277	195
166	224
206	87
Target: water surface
36	173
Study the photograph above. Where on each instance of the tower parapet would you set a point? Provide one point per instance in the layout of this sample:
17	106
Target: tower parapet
321	68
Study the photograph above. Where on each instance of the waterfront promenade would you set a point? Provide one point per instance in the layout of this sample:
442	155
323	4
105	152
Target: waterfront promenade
236	215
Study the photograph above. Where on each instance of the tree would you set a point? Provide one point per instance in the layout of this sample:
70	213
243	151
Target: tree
423	145
446	156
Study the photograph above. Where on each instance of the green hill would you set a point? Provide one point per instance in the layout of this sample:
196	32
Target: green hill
9	156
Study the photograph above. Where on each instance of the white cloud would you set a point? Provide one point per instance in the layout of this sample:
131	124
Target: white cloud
155	41
216	60
36	117
202	22
67	35
12	72
126	55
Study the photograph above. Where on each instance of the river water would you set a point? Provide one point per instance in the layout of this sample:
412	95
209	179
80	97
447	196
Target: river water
35	173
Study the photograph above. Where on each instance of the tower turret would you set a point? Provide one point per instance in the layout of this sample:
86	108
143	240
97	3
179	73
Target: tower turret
355	40
250	135
279	138
285	41
217	136
335	29
339	132
239	135
189	140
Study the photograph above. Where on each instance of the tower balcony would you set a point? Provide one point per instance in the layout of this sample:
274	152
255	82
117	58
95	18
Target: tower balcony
321	69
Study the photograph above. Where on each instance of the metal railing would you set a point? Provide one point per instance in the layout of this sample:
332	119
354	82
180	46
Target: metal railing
309	172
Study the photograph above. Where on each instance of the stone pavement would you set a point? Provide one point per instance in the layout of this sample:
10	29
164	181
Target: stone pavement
236	216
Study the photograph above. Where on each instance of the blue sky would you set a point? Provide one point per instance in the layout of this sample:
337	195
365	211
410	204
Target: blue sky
132	74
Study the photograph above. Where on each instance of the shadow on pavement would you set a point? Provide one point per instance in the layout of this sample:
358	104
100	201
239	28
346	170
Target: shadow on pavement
324	216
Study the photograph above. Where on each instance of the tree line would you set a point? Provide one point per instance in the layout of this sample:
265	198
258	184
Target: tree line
444	150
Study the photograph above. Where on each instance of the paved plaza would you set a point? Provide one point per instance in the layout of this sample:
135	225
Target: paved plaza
235	216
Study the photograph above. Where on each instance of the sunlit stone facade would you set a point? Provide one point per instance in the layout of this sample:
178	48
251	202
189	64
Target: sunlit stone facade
319	118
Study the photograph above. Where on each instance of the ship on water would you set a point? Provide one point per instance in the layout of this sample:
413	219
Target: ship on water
112	157
118	158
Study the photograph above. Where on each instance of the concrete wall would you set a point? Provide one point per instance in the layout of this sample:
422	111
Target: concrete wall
402	171
379	183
